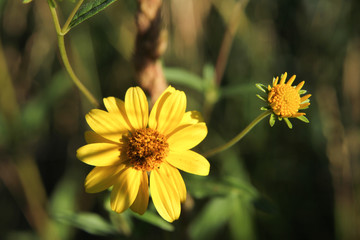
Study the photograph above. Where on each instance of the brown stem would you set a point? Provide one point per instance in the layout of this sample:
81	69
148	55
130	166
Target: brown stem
151	42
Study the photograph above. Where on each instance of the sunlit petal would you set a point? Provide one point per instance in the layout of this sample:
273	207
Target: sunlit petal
101	178
141	202
171	112
106	124
187	137
137	109
155	111
100	154
189	161
125	189
117	106
164	194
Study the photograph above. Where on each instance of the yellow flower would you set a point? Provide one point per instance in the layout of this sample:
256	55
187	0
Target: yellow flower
131	150
285	100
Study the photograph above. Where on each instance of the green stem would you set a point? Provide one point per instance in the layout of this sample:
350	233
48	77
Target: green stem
239	136
64	57
66	28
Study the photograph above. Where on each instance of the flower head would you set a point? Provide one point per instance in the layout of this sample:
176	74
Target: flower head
132	150
284	100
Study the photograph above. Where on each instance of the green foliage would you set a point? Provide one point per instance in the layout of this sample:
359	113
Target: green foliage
183	77
89	9
154	219
89	222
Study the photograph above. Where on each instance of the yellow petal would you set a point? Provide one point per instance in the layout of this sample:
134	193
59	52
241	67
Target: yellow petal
171	112
100	154
117	106
187	137
101	178
137	109
125	189
177	180
283	78
299	86
93	137
191	117
291	80
106	124
189	161
164	193
142	199
154	114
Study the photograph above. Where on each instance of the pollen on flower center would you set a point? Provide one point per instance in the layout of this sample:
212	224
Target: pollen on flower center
146	149
284	100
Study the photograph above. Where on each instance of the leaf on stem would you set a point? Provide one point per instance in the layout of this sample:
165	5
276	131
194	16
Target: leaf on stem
88	10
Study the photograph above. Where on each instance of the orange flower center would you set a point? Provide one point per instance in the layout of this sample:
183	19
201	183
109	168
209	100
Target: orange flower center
146	149
284	100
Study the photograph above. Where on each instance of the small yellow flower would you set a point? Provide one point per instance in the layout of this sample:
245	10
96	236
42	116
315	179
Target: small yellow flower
285	100
131	150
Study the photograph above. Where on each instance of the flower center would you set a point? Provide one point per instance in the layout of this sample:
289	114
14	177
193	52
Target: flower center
284	100
146	149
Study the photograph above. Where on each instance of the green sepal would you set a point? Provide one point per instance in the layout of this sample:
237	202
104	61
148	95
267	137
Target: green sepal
288	123
264	108
261	97
304	108
304	119
302	91
27	1
272	120
262	87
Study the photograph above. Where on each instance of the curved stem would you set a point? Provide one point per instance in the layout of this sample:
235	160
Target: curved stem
66	28
237	137
64	57
69	69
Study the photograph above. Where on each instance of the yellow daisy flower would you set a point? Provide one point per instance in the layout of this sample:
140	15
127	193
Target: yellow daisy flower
131	150
285	100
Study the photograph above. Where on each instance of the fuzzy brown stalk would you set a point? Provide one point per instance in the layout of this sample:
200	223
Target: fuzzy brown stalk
151	42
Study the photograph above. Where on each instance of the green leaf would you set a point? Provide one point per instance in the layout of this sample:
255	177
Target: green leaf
213	216
183	77
304	119
209	72
155	220
242	219
288	123
201	187
89	222
272	120
236	90
34	114
88	10
27	1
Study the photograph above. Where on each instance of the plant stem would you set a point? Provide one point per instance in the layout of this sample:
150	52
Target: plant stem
64	57
66	28
239	136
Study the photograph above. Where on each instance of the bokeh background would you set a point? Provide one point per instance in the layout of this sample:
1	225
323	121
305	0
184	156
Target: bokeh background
277	183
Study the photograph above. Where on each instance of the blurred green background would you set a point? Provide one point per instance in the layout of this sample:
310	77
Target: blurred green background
276	183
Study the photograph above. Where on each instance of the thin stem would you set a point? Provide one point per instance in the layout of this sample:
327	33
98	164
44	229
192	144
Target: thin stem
66	61
239	136
66	28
